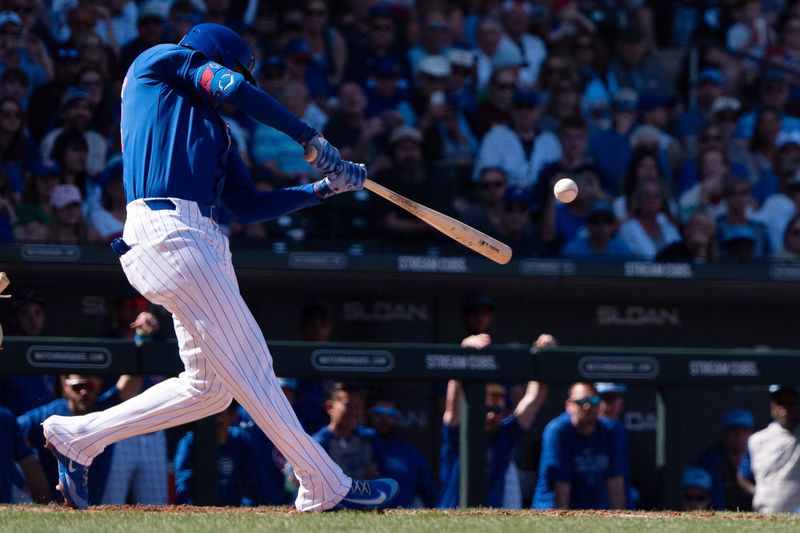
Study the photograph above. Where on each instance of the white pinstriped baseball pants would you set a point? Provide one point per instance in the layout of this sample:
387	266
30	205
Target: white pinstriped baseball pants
181	261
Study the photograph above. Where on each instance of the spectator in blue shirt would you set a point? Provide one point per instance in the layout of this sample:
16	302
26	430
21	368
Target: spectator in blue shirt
81	396
582	466
503	430
722	459
611	148
236	463
598	239
352	446
404	462
612	402
13	452
709	85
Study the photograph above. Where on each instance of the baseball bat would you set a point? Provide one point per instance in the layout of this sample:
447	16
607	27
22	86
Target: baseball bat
473	239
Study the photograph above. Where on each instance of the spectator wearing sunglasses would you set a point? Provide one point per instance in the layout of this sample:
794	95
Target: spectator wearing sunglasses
696	484
81	394
487	210
598	240
582	465
515	226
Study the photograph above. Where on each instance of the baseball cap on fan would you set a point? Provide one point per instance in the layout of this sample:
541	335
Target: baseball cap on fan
9	17
738	417
696	478
401	133
785	138
626	99
610	388
725	103
435	67
64	195
152	10
72	95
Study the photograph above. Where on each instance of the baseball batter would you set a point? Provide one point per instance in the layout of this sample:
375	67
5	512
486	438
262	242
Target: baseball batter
179	166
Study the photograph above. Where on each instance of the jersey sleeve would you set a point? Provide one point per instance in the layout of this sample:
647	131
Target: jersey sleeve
746	467
30	425
20	450
555	457
618	441
248	204
193	73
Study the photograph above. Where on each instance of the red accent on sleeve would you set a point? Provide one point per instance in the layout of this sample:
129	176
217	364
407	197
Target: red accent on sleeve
205	79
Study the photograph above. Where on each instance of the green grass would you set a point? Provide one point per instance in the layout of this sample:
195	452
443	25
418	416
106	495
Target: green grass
53	519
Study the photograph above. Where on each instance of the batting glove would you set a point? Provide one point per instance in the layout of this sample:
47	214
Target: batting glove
350	177
328	159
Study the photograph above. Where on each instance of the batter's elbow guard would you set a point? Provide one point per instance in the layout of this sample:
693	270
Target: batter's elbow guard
220	83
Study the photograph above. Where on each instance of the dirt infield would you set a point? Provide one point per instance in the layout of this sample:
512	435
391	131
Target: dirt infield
287	510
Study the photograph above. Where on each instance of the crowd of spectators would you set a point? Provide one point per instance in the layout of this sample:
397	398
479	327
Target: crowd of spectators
688	129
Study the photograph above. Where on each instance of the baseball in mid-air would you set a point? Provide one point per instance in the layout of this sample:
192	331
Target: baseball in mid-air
565	190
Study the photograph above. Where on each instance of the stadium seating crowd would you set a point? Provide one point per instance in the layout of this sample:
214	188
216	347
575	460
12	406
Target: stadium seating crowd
683	137
476	108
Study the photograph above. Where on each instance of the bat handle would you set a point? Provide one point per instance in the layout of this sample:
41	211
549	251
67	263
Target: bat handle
310	154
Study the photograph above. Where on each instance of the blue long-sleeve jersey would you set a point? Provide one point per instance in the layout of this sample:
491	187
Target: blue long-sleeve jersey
176	145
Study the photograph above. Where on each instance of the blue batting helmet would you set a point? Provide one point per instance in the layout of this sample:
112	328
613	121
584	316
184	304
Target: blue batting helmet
223	45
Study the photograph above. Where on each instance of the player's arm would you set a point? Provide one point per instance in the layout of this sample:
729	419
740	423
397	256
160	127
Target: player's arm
529	405
248	204
616	492
744	474
35	479
223	85
452	404
561	490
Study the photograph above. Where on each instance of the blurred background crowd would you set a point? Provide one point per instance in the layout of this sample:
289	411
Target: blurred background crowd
683	135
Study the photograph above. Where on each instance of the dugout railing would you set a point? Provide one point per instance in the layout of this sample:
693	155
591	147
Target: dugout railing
688	387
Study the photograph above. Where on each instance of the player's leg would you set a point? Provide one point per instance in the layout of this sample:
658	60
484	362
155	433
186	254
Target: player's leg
195	394
234	345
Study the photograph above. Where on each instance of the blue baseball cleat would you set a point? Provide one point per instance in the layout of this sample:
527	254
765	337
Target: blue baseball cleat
369	494
73	480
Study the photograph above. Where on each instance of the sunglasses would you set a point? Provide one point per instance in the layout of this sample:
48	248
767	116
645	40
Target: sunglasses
486	185
505	86
695	498
794	232
69	53
591	400
494	409
595	221
516	208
